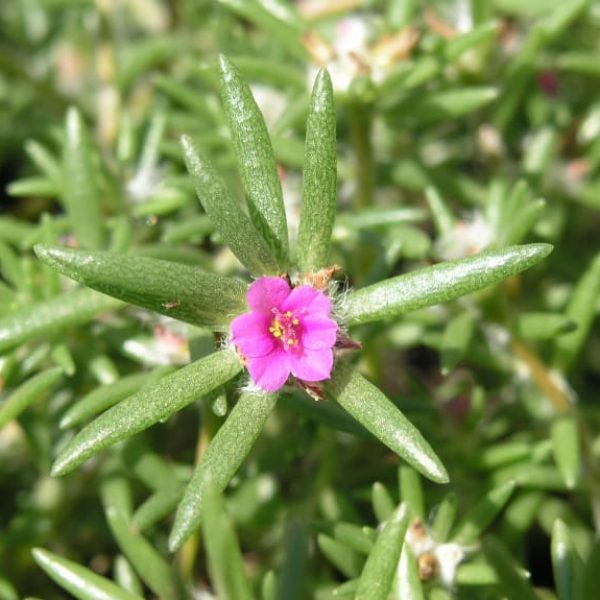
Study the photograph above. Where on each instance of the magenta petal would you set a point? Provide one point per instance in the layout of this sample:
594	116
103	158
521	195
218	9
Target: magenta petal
318	332
267	293
312	365
270	372
250	333
306	299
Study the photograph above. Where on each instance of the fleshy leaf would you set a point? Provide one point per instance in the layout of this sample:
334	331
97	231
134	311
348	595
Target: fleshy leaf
370	407
81	192
27	393
256	161
77	580
319	179
180	291
147	407
225	563
43	319
440	283
234	225
223	457
382	562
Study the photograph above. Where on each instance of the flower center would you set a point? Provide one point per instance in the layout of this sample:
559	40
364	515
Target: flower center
284	327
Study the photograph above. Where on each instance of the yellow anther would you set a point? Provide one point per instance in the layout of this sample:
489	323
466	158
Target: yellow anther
277	334
288	314
291	342
295	321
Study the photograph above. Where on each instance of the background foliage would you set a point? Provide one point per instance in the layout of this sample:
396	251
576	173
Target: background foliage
462	127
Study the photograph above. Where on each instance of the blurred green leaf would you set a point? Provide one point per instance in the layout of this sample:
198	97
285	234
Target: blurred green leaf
151	567
27	393
581	309
566	563
566	447
482	514
225	563
50	317
81	189
77	580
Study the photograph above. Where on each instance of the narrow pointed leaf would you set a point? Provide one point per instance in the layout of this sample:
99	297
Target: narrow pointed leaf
370	407
108	395
225	563
319	178
125	576
566	563
456	340
512	583
539	326
378	572
44	319
409	584
582	310
482	514
81	192
79	581
383	505
150	566
444	518
226	214
156	507
180	291
256	161
411	492
345	559
440	283
27	393
223	457
564	433
147	407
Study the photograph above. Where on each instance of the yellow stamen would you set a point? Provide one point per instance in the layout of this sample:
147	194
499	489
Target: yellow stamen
295	321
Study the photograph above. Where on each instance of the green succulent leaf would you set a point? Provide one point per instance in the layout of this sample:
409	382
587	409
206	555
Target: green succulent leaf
223	457
319	178
581	309
566	447
149	406
408	582
47	318
152	568
370	407
180	291
80	182
234	225
566	563
108	395
439	283
27	393
77	580
482	514
379	570
225	563
256	161
512	583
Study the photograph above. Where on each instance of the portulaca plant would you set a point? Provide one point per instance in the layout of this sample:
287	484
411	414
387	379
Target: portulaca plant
289	326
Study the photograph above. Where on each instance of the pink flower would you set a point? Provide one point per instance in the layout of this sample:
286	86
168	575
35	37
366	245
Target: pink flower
288	331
